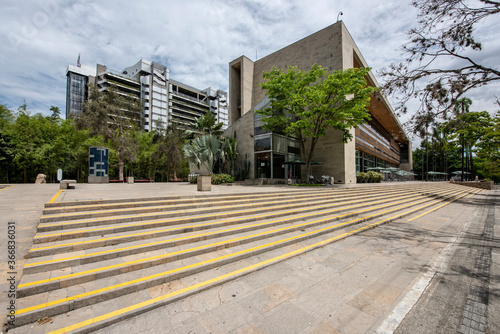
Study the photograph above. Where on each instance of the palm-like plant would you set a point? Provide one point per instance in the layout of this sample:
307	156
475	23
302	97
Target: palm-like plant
460	109
206	151
231	152
204	125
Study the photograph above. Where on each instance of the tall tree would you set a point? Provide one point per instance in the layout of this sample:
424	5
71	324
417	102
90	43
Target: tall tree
489	144
441	56
6	144
56	113
170	143
425	121
304	104
113	116
457	125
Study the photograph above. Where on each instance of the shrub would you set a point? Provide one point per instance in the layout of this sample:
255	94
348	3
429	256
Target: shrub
374	176
361	177
222	178
216	179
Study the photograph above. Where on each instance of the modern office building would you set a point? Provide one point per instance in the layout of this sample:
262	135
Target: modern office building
164	101
78	78
381	143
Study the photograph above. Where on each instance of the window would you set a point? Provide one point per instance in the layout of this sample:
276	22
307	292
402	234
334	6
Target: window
263	144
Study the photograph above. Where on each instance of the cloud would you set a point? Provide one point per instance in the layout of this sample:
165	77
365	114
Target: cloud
195	39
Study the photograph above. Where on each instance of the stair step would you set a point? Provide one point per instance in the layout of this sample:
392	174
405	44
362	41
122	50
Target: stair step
96	281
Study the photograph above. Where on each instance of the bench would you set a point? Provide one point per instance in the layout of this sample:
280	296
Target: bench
65	184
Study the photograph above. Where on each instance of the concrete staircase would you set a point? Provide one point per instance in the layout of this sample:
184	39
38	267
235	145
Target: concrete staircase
94	263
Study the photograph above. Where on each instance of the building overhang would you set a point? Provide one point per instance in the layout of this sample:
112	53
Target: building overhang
381	110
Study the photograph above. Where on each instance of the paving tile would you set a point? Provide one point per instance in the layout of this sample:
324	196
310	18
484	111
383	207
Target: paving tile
285	318
320	300
349	319
367	304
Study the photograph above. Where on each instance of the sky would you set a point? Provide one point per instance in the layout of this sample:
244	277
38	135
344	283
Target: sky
195	39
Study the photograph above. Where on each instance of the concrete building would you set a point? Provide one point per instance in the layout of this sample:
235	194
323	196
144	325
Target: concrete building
381	143
164	101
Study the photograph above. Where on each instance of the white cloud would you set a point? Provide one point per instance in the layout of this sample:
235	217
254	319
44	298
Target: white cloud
195	39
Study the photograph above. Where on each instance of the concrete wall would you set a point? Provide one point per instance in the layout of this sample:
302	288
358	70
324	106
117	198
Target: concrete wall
339	159
323	47
244	128
240	87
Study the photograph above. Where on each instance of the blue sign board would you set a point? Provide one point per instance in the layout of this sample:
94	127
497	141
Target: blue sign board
98	161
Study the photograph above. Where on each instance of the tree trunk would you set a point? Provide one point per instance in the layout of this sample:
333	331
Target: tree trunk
422	165
120	167
467	162
471	159
446	164
426	157
308	171
463	149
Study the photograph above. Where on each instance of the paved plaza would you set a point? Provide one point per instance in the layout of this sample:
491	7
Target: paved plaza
435	273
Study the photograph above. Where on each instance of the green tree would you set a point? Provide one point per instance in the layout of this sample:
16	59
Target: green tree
28	139
468	127
6	117
304	104
489	144
170	148
6	144
145	164
456	126
115	117
422	129
56	113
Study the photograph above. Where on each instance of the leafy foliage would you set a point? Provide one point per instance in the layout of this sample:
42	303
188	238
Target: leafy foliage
204	125
440	67
206	151
115	118
216	179
468	142
32	144
307	103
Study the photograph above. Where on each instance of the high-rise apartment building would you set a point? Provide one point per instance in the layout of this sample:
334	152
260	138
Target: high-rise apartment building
164	101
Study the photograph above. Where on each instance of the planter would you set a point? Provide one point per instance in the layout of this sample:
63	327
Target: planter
204	183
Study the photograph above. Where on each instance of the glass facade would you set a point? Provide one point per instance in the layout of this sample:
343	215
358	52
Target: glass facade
365	161
274	155
76	93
